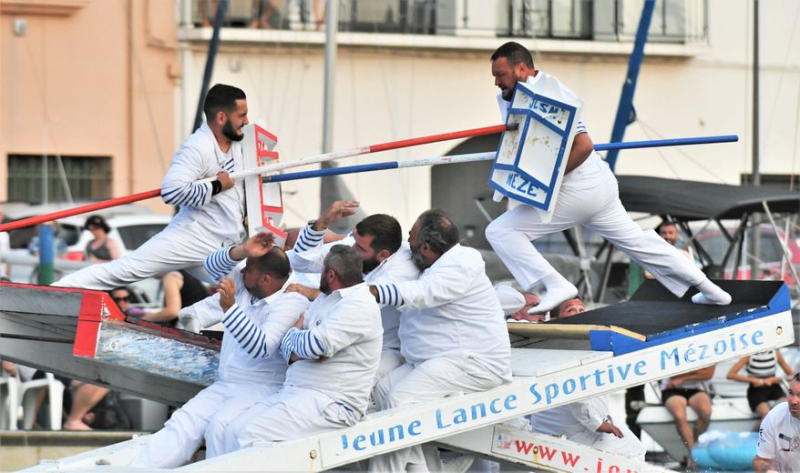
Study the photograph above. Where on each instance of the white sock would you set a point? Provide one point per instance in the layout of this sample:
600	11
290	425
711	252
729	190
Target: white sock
558	290
711	294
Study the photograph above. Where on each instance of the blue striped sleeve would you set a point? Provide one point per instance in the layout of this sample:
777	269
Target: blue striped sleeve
388	294
308	238
302	343
580	127
248	335
219	264
192	194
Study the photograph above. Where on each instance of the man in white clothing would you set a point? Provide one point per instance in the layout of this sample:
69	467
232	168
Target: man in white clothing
453	334
589	196
333	353
779	436
378	240
257	312
211	213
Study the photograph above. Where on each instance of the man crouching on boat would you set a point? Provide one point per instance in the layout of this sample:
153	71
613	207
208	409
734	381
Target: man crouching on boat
333	353
257	312
453	335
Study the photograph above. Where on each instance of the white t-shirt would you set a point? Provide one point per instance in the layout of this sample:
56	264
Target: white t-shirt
779	439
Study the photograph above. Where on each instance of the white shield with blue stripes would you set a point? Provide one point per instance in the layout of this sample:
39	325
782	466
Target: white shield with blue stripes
531	159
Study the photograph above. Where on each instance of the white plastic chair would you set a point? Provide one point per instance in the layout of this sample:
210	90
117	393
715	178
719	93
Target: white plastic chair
9	403
27	398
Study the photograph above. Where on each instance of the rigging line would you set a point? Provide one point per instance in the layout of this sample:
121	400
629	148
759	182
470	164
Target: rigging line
392	124
148	105
658	150
683	153
48	134
794	145
748	130
62	174
781	75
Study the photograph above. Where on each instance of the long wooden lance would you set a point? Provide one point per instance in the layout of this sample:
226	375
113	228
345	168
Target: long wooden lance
488	156
361	150
367	167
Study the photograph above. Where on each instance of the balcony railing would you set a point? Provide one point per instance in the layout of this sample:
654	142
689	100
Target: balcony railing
675	21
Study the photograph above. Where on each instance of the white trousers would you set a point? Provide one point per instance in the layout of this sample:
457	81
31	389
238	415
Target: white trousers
391	359
289	414
213	409
180	246
433	379
590	197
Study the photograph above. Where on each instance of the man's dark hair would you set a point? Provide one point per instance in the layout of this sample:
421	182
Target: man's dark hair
385	231
275	263
345	262
437	230
667	222
514	53
222	98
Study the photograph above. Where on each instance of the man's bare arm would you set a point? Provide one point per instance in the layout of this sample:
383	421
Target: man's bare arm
582	147
762	465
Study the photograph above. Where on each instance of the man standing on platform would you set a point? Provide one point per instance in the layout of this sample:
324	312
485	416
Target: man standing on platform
211	213
589	196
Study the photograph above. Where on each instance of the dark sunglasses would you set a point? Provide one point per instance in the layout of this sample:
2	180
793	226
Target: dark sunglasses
122	299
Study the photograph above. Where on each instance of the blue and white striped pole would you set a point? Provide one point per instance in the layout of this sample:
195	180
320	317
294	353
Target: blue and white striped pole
466	158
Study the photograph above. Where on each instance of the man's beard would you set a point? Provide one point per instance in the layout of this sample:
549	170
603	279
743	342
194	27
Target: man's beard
324	287
418	259
230	133
370	264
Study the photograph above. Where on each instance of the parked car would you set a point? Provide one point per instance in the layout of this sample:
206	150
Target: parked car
131	226
71	228
130	231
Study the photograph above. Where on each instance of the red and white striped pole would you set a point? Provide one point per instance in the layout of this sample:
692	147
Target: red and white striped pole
489	130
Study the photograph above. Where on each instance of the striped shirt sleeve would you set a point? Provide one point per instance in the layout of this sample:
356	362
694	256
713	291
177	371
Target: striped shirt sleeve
389	295
580	127
309	238
219	264
180	185
250	337
303	343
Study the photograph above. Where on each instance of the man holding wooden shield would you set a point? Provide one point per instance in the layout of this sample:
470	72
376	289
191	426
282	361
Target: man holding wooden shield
578	189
